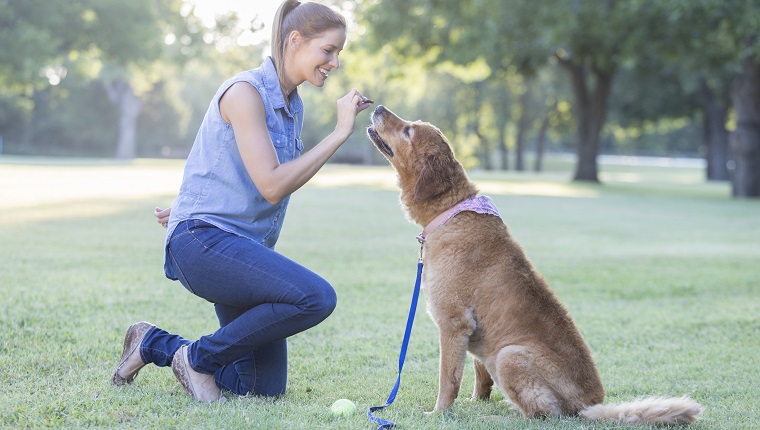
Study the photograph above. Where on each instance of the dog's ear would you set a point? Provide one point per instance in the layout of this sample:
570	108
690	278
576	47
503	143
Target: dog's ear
436	177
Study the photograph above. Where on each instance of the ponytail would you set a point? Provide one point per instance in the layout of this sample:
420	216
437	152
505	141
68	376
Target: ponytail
309	19
278	42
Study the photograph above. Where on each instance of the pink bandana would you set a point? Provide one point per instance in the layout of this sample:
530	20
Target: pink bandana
478	204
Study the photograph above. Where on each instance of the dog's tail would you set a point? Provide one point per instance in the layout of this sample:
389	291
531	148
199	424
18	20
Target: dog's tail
648	411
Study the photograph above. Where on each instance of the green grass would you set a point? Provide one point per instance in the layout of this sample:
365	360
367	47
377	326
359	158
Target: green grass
660	270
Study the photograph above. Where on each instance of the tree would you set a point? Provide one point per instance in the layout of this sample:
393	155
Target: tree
715	135
724	34
115	42
654	94
131	37
746	96
590	39
32	46
696	28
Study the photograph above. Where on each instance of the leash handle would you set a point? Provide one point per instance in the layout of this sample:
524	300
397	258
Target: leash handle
384	424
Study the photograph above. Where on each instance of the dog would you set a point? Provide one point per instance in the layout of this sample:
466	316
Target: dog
485	296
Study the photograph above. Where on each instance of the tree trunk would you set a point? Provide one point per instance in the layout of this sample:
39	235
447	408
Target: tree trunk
747	136
483	145
541	143
715	134
503	150
120	92
501	107
590	112
475	127
523	123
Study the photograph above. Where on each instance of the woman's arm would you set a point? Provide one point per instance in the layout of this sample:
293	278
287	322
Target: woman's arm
242	107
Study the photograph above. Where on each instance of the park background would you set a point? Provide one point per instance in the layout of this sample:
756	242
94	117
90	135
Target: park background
619	139
508	82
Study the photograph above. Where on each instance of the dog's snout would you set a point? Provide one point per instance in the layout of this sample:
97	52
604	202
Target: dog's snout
377	114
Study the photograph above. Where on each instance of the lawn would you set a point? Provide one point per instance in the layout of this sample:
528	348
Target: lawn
660	270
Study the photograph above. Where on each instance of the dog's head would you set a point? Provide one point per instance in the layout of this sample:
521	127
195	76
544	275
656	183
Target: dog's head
419	152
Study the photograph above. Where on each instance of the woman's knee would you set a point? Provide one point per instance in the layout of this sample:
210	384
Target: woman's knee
322	299
263	372
270	387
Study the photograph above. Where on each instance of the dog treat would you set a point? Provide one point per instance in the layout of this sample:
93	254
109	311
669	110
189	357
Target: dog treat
366	100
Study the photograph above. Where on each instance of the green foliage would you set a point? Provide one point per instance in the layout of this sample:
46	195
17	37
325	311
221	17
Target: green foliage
658	269
52	78
30	36
590	39
64	130
465	66
661	138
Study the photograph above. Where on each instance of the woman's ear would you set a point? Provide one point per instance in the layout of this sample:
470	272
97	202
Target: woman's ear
294	39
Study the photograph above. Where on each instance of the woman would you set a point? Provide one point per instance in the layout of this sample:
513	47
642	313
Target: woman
222	228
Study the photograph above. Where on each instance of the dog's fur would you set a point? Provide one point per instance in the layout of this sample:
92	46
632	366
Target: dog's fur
486	297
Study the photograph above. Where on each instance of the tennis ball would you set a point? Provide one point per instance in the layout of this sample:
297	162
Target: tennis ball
343	408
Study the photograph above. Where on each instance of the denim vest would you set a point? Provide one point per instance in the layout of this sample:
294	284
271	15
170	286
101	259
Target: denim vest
216	187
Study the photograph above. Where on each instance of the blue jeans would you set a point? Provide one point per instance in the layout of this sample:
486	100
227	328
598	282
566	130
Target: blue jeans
260	297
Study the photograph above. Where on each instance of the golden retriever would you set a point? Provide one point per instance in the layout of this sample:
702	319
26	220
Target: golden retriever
486	297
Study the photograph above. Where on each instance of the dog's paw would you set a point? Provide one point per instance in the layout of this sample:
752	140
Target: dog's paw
437	411
484	398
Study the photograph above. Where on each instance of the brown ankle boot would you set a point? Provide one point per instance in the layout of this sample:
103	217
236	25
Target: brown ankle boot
131	362
199	386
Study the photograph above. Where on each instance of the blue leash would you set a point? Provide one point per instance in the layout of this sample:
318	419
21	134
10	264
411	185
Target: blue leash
402	354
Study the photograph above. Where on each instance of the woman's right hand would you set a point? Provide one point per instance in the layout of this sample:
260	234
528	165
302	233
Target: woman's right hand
163	215
348	107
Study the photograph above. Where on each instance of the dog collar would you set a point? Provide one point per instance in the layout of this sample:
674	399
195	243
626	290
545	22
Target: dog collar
479	204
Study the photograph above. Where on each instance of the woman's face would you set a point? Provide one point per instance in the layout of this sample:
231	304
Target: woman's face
314	59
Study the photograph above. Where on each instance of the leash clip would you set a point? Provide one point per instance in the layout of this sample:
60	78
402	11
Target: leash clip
421	240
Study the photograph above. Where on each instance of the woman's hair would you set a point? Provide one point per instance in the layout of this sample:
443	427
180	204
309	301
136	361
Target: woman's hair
309	19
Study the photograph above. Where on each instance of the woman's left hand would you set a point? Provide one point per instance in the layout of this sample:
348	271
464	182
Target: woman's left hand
163	215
